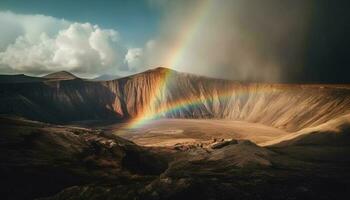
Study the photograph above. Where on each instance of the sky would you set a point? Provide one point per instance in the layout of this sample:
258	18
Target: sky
246	40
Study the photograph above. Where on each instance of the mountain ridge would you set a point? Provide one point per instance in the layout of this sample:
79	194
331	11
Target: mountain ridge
62	75
18	78
163	92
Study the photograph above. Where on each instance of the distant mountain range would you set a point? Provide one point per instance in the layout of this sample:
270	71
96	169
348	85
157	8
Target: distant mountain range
56	76
19	78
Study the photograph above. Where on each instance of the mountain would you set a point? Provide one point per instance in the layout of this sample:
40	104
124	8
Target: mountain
61	75
19	78
47	161
106	77
162	92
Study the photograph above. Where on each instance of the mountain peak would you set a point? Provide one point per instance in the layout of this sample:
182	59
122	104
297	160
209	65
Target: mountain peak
62	75
161	70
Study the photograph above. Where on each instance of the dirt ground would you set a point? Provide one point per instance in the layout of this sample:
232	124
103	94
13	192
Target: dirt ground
168	132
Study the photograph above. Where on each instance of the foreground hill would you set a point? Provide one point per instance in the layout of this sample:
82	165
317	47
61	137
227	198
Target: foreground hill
166	93
40	160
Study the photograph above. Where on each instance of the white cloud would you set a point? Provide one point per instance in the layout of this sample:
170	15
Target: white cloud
31	26
140	59
37	44
134	58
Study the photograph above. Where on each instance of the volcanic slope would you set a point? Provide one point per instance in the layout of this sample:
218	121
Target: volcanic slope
39	159
335	132
162	92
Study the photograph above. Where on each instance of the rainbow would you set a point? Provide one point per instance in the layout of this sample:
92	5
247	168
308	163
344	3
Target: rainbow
186	37
200	100
180	48
156	109
175	106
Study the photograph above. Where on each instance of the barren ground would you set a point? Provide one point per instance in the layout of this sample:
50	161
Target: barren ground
168	132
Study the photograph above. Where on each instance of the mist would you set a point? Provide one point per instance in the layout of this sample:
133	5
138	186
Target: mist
270	41
240	40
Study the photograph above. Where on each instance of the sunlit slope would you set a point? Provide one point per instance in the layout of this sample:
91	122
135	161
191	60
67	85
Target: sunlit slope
335	132
176	95
166	93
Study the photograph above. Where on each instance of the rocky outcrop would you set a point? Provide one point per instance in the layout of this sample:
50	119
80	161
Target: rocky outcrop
45	161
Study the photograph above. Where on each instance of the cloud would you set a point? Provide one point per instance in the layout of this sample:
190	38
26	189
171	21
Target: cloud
31	26
135	58
38	44
234	39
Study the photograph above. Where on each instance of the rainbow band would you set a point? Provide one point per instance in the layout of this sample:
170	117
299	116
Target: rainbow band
200	100
172	59
156	109
186	37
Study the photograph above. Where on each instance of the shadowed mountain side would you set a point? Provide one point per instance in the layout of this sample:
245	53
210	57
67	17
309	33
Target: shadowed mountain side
19	78
40	159
162	92
58	101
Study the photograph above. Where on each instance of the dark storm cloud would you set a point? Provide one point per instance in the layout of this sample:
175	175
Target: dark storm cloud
272	38
327	54
308	39
254	40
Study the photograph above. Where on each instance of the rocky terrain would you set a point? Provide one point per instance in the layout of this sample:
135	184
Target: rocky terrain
208	138
48	161
39	159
